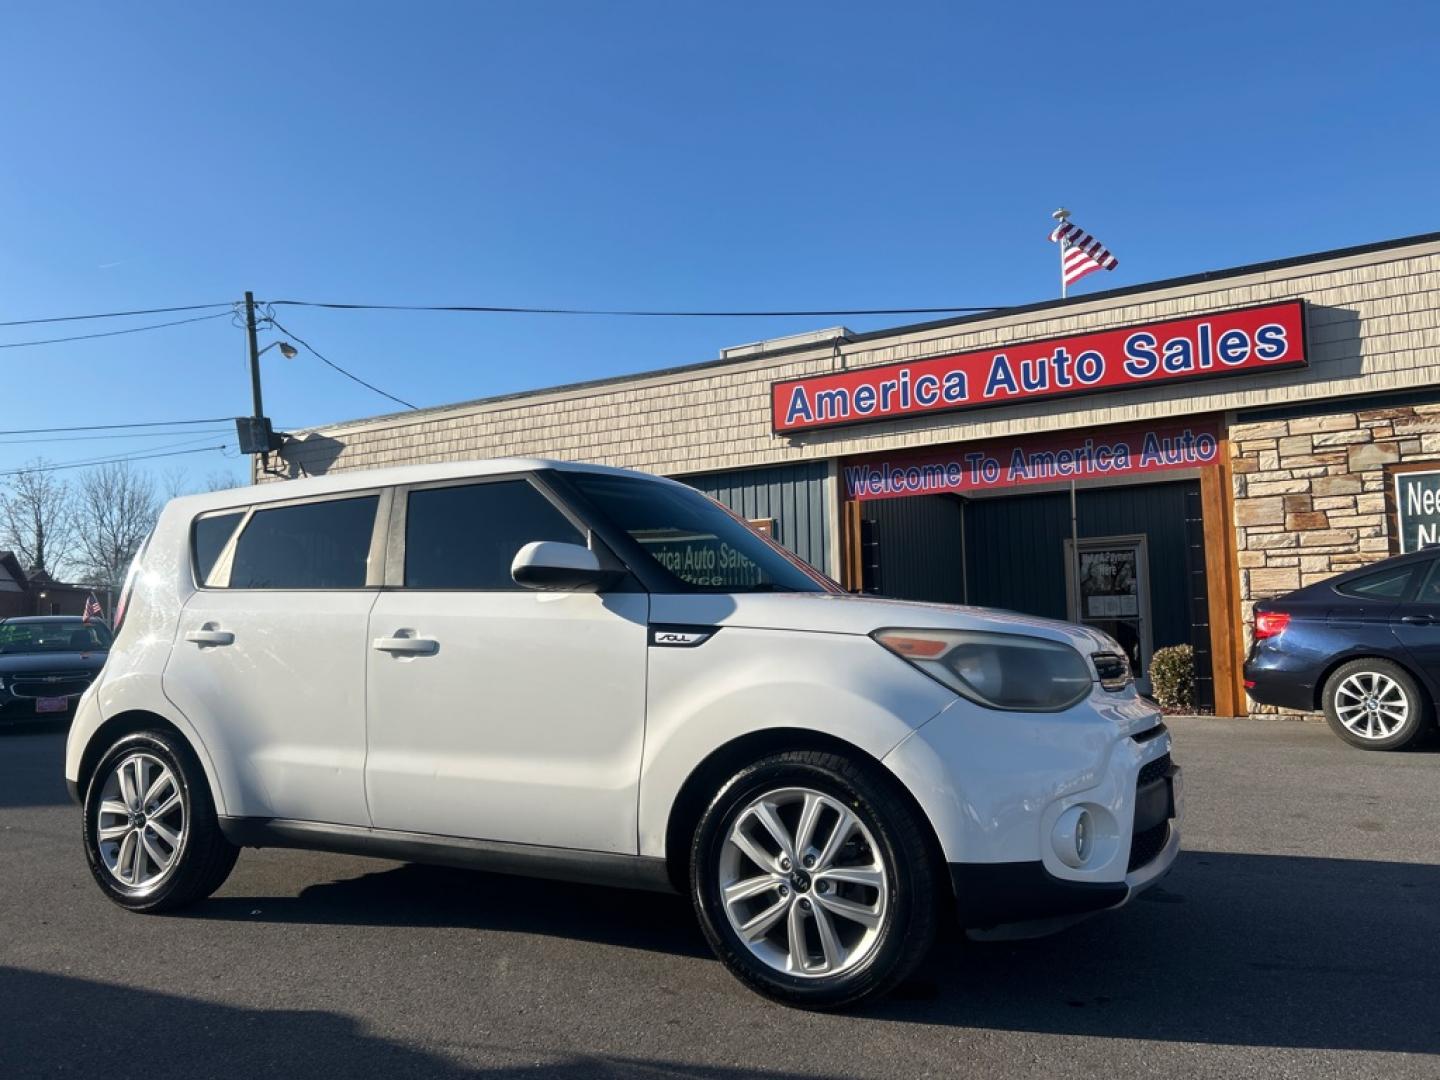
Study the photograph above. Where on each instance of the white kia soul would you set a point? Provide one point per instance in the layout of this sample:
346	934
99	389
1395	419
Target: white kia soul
596	675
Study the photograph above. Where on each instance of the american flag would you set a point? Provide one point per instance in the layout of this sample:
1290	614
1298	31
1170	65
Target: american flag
1081	253
92	609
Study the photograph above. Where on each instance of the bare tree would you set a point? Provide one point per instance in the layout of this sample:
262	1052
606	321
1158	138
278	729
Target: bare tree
220	480
37	520
115	508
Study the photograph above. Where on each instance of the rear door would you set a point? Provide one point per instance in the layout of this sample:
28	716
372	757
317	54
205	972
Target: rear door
1416	622
497	712
269	661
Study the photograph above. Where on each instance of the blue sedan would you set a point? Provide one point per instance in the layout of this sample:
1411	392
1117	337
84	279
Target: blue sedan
1364	647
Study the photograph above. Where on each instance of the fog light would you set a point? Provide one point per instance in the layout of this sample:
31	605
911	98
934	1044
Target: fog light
1074	837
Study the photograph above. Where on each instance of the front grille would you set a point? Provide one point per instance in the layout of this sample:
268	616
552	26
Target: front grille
50	683
1146	845
1154	770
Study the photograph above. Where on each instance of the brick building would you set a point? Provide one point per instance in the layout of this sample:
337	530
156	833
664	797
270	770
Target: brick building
1151	460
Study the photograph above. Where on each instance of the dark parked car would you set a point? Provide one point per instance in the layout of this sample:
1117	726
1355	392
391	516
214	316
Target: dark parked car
47	662
1364	647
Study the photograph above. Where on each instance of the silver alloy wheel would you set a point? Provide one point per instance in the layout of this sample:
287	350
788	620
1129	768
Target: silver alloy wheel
140	824
1372	705
804	883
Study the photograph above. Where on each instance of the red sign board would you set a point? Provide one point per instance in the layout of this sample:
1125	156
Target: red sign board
1078	455
1237	342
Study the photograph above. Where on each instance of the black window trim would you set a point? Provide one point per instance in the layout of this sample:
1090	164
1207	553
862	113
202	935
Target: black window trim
243	513
394	572
219	579
1415	575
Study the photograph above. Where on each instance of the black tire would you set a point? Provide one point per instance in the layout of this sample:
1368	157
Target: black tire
1338	696
203	858
912	896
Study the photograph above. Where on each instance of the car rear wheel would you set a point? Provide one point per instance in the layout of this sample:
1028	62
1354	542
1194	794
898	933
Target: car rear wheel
151	836
1375	704
813	880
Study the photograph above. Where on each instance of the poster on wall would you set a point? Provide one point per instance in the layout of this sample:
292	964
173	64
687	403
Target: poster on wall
1417	508
1110	583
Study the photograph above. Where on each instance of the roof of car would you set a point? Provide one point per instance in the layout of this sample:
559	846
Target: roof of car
364	479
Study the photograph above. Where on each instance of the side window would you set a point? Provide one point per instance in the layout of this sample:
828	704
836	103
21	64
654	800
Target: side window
466	537
1384	585
209	537
320	545
1430	591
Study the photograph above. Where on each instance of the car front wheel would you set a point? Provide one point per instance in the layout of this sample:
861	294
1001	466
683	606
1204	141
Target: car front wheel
151	836
814	881
1375	704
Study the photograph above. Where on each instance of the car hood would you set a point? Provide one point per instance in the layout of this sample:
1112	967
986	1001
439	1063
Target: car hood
20	663
843	613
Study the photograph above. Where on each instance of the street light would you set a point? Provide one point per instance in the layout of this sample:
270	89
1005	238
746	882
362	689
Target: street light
286	350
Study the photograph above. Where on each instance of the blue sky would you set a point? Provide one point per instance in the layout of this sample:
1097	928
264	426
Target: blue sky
741	155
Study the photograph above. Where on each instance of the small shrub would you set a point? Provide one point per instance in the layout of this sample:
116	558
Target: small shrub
1172	678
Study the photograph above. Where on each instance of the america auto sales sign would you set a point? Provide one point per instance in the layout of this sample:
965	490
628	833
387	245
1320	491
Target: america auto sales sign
1241	341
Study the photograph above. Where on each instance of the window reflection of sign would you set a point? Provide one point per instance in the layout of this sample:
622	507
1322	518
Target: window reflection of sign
1417	507
704	560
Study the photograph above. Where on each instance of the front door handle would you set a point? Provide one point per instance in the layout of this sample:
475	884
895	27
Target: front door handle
1418	620
210	636
413	646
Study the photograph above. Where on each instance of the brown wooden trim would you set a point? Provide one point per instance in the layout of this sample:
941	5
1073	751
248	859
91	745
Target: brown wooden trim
851	573
1222	578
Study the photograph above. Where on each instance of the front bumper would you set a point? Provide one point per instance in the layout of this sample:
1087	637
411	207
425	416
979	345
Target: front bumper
1004	793
14	708
1018	900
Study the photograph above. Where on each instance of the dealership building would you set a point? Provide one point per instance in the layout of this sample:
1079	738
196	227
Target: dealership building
1149	460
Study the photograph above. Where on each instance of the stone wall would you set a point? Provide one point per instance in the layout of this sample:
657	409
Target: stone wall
1310	494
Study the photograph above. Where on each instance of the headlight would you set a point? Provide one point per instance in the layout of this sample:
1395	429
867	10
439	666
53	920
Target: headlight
1000	671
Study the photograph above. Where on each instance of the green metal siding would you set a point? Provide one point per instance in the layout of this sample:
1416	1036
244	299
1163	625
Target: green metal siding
794	495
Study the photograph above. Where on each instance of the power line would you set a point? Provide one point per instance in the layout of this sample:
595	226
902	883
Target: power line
116	314
93	438
117	460
635	313
112	333
114	427
337	367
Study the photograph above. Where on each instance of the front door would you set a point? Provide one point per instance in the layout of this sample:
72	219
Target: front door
496	712
269	661
1109	589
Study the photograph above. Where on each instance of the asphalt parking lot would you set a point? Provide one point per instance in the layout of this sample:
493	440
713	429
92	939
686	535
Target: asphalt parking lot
1299	935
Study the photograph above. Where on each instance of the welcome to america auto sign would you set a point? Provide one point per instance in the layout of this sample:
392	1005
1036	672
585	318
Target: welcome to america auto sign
1098	454
1235	342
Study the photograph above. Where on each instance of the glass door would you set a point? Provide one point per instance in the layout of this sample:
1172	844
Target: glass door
1109	588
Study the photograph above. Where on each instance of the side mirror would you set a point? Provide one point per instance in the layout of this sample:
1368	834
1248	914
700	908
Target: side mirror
557	567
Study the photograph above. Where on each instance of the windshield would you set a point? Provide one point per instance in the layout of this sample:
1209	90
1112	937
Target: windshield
701	545
45	637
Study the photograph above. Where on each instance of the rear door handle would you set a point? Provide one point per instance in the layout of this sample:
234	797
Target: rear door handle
208	636
1418	620
414	646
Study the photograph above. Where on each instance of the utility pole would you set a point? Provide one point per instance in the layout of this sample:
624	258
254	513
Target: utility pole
254	433
254	354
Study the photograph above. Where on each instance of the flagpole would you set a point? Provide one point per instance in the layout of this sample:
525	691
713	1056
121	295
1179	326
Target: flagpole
1060	217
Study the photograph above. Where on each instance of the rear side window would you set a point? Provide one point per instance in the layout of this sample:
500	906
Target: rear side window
466	537
211	534
320	545
1384	585
1430	591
